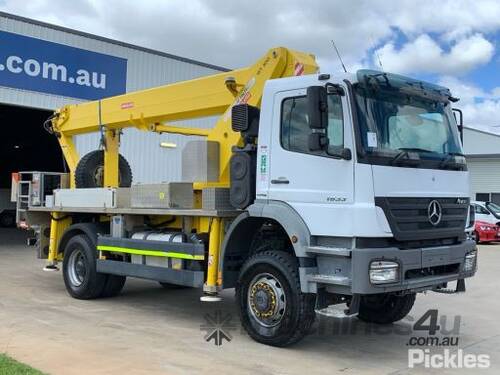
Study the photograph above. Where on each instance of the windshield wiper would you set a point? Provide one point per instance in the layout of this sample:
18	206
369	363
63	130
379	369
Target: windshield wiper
408	155
414	149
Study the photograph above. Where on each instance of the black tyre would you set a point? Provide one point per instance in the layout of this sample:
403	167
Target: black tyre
89	172
273	310
114	285
7	219
385	308
79	269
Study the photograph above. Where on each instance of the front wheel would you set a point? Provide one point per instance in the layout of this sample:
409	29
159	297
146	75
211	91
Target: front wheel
273	309
385	308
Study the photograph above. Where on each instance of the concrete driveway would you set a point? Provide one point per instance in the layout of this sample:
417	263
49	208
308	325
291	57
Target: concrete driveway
149	330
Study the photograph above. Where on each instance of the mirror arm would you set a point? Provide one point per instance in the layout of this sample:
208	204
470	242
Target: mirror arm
343	153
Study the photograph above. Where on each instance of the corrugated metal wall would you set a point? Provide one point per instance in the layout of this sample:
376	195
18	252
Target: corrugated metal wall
484	175
149	161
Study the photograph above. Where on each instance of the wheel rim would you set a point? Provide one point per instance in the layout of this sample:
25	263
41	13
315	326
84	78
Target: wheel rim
98	176
266	300
77	267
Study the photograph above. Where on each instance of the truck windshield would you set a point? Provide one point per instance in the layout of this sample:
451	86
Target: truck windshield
393	124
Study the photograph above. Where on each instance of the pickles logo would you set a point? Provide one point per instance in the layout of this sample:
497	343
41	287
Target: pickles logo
447	359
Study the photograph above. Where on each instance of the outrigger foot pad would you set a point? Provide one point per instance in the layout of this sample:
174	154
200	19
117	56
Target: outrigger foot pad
210	298
51	268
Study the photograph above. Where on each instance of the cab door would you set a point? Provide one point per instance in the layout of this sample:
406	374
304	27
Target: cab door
315	184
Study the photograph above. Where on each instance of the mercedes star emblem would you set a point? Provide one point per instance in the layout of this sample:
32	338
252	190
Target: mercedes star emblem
434	212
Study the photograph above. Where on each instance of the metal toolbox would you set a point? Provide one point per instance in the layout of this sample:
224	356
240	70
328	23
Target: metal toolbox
166	195
216	199
200	161
92	198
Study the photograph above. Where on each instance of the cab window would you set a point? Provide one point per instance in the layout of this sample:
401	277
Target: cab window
481	210
295	128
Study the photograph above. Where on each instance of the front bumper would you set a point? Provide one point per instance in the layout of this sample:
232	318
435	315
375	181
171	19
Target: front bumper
419	269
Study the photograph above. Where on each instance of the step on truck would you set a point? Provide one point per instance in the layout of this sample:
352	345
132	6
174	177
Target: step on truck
311	190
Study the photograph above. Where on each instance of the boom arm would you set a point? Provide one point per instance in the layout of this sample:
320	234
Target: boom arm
152	109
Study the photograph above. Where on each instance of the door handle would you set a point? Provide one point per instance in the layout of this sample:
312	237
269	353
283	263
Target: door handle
280	181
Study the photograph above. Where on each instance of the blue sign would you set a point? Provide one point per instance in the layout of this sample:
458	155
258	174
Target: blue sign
37	65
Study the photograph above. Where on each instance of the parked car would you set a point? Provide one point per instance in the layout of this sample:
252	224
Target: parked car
488	212
485	232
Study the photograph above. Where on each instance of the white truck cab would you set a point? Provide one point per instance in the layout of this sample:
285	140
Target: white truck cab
366	173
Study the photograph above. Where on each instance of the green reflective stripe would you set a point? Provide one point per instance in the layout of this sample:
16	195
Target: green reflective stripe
155	253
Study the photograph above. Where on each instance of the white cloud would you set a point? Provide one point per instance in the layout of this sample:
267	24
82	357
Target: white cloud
480	108
454	17
425	55
234	33
447	37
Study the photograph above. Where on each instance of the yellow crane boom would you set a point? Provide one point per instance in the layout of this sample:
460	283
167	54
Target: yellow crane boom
153	109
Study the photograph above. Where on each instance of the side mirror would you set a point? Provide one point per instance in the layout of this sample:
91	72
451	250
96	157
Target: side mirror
317	115
317	107
460	122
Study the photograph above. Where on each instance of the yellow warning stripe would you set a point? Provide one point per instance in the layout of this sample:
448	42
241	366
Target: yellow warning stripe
157	253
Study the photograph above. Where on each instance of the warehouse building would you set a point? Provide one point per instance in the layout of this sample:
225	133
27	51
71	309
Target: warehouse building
482	150
43	67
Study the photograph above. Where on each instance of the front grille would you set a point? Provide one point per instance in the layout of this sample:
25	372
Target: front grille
409	219
380	242
447	269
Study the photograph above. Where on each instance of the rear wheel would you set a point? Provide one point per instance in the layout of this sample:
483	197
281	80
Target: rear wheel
273	309
79	269
114	285
385	308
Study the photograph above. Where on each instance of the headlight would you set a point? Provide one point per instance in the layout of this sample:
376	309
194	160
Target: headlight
470	261
482	227
383	272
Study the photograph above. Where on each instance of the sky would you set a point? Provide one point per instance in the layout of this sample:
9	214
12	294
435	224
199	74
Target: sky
454	43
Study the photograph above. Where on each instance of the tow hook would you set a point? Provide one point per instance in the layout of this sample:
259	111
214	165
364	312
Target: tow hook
460	288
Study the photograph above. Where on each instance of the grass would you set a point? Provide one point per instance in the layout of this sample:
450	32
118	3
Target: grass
8	366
